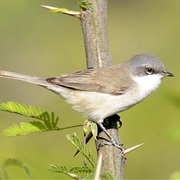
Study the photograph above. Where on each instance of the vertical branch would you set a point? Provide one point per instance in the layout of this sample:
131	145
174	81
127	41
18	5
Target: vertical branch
94	26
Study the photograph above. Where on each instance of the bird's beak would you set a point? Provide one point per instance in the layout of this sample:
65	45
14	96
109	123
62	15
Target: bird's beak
165	73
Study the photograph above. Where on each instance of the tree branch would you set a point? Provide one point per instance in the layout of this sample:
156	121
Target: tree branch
94	26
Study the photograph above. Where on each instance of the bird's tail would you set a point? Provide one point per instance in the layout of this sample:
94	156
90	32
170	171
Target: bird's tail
26	78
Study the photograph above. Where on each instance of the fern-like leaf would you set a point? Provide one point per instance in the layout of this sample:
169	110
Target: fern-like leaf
23	129
83	169
21	109
82	148
30	111
15	162
64	170
49	120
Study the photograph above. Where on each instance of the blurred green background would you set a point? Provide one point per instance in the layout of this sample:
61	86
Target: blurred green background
36	42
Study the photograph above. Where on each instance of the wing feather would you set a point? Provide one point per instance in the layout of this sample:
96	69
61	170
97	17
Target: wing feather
105	80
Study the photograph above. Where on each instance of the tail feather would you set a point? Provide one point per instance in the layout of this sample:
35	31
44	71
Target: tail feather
26	78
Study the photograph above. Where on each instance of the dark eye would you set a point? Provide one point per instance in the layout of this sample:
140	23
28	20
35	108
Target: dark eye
149	70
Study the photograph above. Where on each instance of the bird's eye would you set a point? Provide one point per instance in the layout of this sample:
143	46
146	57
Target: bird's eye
149	70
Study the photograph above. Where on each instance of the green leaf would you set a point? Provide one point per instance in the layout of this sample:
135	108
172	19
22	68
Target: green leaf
49	120
72	171
94	130
23	129
83	169
39	125
64	170
82	148
85	5
21	109
61	169
29	111
15	162
86	126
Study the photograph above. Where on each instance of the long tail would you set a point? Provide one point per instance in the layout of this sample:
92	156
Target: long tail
26	78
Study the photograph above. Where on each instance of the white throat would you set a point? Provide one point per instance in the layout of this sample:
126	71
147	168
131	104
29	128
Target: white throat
147	84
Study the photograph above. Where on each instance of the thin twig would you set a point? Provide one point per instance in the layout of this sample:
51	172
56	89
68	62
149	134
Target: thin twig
63	11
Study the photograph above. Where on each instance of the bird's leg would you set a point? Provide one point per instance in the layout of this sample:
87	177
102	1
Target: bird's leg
112	140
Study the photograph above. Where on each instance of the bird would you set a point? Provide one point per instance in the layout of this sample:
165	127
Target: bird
103	92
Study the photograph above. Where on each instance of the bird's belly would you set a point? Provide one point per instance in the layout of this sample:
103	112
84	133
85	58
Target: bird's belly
97	106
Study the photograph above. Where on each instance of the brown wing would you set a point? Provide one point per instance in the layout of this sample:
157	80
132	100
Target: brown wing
111	80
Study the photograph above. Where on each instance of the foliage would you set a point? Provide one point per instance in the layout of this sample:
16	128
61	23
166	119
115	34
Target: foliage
90	127
89	171
46	121
82	148
14	162
71	172
85	5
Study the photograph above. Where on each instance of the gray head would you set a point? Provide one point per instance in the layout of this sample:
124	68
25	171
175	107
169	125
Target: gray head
147	64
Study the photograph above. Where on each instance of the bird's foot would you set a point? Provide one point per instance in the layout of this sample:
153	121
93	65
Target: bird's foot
112	143
111	140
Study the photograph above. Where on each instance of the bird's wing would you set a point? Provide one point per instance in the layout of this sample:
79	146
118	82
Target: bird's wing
105	80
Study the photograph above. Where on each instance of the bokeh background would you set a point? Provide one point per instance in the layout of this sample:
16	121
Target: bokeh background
36	42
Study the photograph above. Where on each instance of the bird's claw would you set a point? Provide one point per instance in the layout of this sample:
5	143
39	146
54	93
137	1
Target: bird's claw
112	143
